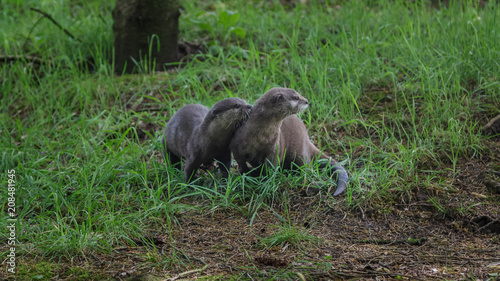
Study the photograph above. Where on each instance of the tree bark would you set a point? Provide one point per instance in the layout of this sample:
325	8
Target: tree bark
145	34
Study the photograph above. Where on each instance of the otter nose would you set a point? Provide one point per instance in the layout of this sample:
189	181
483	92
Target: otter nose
249	106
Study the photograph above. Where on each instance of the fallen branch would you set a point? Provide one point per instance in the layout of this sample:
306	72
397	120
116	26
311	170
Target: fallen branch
449	259
32	59
55	22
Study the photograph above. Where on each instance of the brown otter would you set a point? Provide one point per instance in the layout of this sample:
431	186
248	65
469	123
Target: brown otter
273	132
201	135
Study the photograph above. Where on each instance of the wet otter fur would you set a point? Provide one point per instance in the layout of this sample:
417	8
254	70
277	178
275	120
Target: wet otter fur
274	133
200	135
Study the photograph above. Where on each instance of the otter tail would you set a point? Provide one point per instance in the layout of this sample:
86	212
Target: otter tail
343	178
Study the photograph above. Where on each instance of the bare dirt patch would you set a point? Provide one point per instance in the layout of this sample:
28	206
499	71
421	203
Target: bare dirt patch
409	243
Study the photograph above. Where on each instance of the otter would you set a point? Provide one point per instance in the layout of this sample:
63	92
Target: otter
200	135
274	133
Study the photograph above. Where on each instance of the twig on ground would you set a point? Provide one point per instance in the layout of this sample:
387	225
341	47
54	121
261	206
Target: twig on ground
360	273
492	121
488	224
189	272
417	242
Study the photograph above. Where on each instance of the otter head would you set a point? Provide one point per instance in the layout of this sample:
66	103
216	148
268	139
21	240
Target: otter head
281	102
231	111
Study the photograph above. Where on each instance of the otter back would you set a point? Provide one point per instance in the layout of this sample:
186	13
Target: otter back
200	135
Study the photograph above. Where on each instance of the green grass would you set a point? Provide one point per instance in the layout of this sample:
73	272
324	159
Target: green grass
398	91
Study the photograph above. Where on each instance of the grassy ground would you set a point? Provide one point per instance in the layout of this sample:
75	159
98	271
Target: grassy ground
399	92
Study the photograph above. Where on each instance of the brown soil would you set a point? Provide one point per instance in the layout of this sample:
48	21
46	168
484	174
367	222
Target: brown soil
412	242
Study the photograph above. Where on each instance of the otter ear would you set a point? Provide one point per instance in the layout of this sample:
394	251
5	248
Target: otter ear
215	113
278	98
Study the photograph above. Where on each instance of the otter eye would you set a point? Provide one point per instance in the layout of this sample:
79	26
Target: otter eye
295	97
237	105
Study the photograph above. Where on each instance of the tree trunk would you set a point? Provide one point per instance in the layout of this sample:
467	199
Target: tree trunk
145	34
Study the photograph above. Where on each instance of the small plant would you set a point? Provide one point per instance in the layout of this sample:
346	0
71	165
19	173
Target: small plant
287	234
224	25
465	209
442	209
